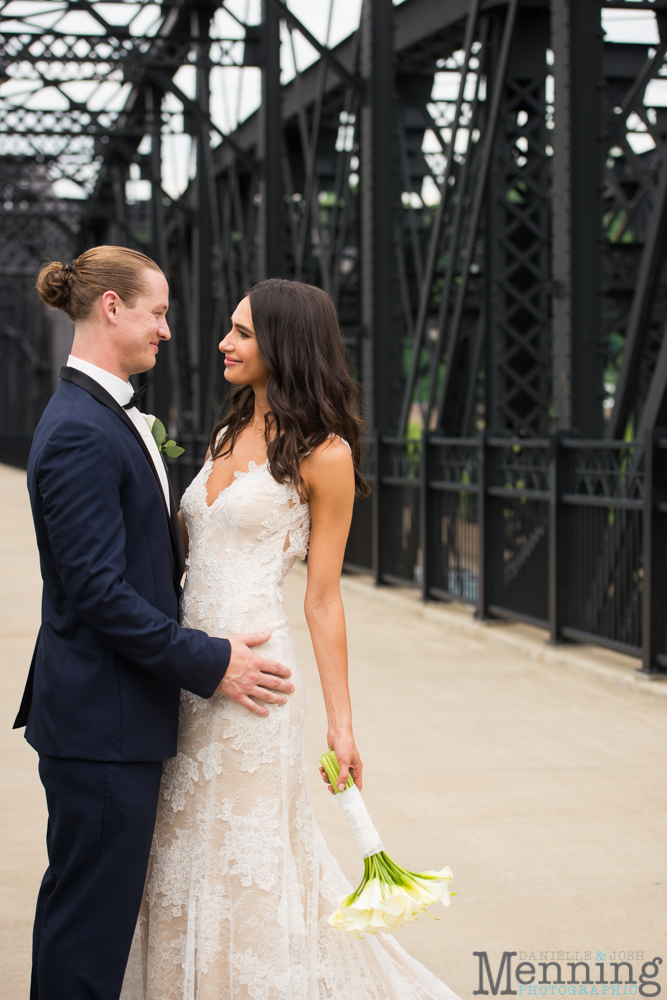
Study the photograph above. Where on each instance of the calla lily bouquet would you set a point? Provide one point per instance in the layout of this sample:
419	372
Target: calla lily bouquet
388	895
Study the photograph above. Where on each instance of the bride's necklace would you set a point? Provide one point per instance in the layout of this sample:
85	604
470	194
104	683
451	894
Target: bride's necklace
261	430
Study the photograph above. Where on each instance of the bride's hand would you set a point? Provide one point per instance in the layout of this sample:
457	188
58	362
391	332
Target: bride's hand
348	760
250	676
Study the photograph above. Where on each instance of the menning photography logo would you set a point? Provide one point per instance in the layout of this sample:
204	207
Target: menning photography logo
565	973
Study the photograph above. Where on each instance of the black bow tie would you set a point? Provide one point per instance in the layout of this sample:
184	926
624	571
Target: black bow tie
139	394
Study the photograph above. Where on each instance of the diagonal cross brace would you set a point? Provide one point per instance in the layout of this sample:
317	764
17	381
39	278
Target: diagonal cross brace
326	53
640	314
165	83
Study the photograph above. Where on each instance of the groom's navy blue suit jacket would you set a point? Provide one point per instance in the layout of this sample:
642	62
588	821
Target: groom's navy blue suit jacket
110	657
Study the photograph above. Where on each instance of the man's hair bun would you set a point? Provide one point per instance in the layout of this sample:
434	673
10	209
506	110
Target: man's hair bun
76	287
54	285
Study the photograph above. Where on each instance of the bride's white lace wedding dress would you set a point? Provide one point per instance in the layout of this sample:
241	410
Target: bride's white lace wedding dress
240	881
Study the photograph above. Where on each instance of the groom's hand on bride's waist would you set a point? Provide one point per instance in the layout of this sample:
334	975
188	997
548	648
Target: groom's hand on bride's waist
250	676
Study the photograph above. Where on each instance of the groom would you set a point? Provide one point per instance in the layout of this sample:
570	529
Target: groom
101	702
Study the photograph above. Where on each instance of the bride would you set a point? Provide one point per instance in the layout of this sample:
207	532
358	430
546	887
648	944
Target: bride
241	883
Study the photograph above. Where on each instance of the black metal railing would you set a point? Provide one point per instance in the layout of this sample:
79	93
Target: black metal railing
598	517
567	534
450	514
398	513
515	508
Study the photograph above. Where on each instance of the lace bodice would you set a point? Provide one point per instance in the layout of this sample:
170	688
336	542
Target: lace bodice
241	548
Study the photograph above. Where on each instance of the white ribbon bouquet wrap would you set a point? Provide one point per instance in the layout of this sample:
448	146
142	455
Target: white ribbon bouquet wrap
388	895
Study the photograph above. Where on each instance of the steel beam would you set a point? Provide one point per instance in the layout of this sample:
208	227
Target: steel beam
272	207
561	219
517	251
154	129
654	404
577	216
436	225
378	199
164	394
450	337
202	271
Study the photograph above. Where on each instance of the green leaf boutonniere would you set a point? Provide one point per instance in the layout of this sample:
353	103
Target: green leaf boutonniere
165	445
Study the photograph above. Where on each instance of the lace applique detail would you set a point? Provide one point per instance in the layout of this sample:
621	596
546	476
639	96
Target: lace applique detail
240	881
180	774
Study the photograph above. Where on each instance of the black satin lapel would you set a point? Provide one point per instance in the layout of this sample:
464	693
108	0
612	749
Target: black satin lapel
102	396
84	381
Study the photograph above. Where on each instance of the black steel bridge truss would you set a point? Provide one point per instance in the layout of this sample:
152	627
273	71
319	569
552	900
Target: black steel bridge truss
480	185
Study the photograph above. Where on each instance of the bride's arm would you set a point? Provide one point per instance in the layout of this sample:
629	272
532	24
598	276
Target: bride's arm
328	476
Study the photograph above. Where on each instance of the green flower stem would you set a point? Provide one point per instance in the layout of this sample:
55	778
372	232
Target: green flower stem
329	762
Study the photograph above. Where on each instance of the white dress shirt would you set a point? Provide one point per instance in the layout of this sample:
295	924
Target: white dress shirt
122	392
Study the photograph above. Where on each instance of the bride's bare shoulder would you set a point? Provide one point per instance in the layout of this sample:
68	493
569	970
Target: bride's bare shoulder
335	452
329	466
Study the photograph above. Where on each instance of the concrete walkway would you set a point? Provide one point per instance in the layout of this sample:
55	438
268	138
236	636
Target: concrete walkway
543	788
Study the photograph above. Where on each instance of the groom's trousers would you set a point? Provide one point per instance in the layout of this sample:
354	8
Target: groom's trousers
101	819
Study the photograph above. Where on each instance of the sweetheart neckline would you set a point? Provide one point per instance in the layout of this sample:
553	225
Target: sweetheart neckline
238	474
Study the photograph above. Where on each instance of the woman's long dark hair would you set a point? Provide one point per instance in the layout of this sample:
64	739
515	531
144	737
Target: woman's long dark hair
310	392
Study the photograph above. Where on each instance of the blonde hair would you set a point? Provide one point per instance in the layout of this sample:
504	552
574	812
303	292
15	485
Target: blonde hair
75	288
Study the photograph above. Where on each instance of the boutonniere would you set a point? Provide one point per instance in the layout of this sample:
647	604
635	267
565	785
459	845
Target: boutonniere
165	445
